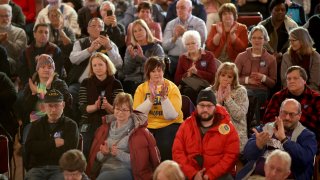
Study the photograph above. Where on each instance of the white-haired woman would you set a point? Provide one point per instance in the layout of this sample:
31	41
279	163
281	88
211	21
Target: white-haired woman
301	53
257	68
96	96
195	62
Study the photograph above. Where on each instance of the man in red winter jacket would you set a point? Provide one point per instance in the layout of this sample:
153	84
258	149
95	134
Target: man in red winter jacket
206	145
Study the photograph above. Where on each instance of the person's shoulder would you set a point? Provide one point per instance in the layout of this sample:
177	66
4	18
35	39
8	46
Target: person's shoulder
67	120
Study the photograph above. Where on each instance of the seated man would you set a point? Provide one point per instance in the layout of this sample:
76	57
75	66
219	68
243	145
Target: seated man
12	38
298	90
207	144
40	45
172	38
287	134
49	138
277	166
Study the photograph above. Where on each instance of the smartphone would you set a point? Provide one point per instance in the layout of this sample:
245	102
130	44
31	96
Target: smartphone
109	13
103	33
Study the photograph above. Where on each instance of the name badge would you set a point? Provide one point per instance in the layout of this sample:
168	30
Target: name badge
262	63
203	63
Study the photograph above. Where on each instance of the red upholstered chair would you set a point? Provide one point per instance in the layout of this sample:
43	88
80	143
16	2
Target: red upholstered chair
249	18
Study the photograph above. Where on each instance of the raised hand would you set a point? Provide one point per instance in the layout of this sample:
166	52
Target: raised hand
279	131
262	138
33	87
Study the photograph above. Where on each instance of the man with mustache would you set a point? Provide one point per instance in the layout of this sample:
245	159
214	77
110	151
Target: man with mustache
206	145
286	134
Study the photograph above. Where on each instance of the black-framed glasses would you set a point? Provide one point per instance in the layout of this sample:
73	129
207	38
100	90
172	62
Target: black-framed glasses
122	110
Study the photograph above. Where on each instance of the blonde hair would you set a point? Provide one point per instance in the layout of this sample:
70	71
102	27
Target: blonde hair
111	70
227	66
143	24
123	98
170	169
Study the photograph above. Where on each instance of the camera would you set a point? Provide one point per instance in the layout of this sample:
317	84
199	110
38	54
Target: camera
109	13
101	98
103	33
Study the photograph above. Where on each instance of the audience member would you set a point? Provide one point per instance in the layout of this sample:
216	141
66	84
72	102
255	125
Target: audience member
277	165
121	8
296	12
306	4
114	30
161	100
79	57
75	4
62	36
40	45
32	96
70	16
29	10
96	96
143	45
313	25
227	38
8	122
198	10
49	138
88	11
196	63
233	97
212	7
144	11
73	165
207	144
4	62
172	39
18	19
278	26
257	68
131	14
299	90
123	144
285	133
168	170
12	38
301	53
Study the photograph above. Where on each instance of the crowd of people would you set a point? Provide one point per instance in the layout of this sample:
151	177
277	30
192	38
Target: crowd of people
112	74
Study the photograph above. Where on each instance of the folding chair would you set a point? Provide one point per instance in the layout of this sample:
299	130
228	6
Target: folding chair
4	155
187	106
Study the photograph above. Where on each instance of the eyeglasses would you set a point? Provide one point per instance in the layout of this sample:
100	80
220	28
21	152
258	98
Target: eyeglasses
291	114
122	110
209	106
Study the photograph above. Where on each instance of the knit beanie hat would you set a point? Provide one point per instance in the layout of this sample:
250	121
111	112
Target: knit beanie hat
44	59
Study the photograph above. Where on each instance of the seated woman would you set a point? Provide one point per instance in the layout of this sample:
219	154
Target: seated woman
161	100
144	12
233	97
196	62
143	45
33	94
123	144
227	38
96	96
61	36
73	164
257	68
301	53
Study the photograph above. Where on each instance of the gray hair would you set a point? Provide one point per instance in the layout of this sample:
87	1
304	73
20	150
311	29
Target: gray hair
6	7
111	5
259	28
291	100
191	34
283	155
